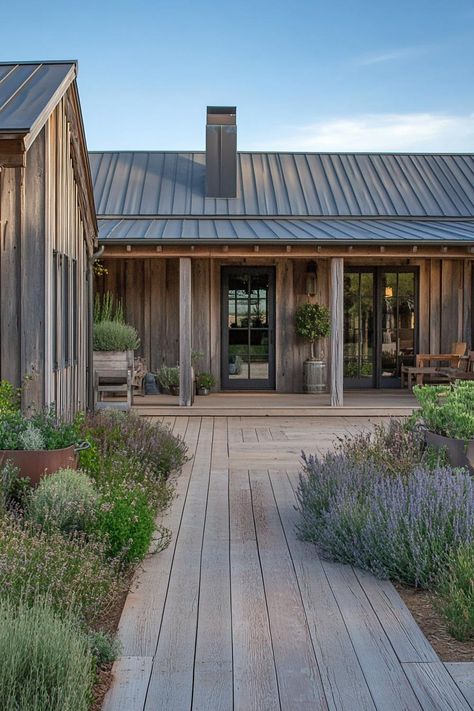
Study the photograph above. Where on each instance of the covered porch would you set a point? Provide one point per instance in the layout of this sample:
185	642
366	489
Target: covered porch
178	298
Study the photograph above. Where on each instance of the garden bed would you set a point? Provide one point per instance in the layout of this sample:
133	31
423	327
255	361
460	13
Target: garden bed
69	548
422	605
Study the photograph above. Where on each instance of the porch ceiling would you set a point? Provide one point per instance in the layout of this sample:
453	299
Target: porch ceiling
286	230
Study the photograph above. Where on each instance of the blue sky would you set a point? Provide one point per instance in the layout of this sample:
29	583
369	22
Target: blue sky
305	75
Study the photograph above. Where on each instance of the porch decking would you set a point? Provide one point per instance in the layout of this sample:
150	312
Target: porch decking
364	403
237	613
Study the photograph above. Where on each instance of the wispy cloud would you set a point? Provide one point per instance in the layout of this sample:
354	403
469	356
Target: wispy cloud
380	132
392	55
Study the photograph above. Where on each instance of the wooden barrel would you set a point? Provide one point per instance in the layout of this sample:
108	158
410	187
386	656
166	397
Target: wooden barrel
314	376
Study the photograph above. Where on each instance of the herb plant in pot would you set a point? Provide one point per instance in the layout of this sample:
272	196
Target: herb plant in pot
168	379
36	445
312	322
114	340
447	415
205	383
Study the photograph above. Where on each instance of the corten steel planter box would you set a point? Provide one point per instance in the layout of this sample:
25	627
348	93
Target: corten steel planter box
40	462
460	452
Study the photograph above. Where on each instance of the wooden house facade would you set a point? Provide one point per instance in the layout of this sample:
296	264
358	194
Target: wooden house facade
213	251
48	235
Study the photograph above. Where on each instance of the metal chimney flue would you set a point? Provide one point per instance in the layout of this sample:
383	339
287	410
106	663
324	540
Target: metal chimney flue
221	152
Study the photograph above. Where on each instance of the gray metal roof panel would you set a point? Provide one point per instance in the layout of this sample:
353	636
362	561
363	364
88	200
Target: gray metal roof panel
287	184
26	90
289	230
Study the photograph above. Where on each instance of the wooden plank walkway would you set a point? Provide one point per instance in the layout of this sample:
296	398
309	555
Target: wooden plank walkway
237	613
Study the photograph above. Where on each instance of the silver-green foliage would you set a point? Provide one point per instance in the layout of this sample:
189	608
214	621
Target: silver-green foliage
115	336
32	438
46	660
65	501
447	410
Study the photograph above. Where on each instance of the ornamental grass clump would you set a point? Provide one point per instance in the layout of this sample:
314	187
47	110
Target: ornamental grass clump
399	527
72	572
46	660
456	593
65	501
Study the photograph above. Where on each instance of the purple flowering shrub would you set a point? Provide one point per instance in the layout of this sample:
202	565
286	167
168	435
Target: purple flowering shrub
148	444
400	526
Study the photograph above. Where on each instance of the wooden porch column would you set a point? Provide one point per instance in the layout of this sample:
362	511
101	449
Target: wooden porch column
185	373
337	331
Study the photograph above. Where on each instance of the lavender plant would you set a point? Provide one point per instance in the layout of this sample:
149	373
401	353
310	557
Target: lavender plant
399	527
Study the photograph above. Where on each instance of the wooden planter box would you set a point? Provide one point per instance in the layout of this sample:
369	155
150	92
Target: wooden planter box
41	462
113	360
460	452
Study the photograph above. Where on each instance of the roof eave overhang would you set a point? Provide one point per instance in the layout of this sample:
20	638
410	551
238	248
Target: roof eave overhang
283	242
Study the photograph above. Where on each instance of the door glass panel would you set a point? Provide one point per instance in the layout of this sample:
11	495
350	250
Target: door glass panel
398	323
359	327
248	327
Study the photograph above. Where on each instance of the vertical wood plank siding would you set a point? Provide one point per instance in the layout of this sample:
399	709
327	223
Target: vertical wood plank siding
41	221
149	290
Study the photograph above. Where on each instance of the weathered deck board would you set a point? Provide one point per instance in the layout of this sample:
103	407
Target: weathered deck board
128	693
171	681
463	675
213	685
342	677
435	688
255	681
298	674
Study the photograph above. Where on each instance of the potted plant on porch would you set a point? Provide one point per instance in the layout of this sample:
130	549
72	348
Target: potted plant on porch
205	382
312	322
447	416
114	340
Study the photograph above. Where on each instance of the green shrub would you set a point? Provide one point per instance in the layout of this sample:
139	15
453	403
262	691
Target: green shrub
312	322
14	489
205	380
115	336
125	521
9	398
46	663
456	593
105	647
66	501
447	410
72	572
107	308
17	431
168	378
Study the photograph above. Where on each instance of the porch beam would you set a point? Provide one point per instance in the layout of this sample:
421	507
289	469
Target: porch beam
185	369
337	331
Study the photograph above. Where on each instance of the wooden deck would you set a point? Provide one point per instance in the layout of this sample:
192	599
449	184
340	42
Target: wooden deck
363	403
237	613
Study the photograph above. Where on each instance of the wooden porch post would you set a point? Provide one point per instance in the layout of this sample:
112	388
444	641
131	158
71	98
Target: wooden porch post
185	373
337	331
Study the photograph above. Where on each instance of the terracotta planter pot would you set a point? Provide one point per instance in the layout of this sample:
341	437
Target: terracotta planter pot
38	463
460	452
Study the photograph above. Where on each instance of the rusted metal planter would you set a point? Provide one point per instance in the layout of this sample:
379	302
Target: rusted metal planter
38	463
460	452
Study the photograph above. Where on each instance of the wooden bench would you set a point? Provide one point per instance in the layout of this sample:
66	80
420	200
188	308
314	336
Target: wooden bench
113	383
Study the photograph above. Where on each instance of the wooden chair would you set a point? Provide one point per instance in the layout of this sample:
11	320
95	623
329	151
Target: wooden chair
465	371
113	383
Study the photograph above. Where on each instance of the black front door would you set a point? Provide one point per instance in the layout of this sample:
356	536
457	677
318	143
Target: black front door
380	325
248	328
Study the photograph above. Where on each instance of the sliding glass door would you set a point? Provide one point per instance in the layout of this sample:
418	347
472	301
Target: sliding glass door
380	325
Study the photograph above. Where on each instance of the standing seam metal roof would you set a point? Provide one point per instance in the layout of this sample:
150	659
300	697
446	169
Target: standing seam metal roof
299	185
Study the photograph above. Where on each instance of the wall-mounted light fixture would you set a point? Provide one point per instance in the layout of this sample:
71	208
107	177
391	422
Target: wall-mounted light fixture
388	292
311	275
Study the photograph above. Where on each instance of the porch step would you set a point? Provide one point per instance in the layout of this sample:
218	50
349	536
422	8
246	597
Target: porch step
292	411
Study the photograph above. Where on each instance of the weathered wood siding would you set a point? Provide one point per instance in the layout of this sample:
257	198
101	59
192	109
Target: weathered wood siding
149	290
40	215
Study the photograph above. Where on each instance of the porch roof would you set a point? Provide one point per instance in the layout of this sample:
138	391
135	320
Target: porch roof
287	230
